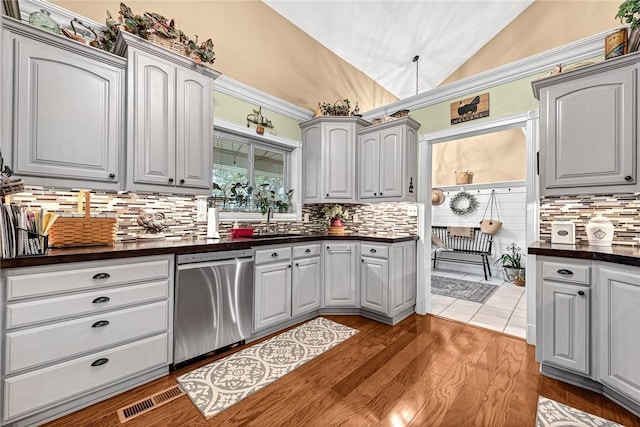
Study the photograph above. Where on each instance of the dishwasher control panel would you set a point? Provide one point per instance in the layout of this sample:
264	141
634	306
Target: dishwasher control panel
214	256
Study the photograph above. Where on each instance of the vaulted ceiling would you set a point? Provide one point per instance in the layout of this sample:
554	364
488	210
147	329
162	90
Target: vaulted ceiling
382	37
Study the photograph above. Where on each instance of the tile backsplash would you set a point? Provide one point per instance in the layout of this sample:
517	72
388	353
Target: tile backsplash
622	209
180	212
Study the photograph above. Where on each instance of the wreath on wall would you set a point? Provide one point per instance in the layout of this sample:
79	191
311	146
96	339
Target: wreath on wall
463	203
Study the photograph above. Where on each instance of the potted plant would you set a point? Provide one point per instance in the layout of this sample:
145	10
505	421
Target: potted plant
511	263
629	13
335	214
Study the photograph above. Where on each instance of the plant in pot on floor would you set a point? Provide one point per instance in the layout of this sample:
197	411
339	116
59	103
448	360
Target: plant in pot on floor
512	263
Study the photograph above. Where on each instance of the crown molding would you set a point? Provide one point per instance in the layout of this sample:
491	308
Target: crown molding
573	52
244	92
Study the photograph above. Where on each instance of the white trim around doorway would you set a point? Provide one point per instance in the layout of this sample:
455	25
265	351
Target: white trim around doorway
529	122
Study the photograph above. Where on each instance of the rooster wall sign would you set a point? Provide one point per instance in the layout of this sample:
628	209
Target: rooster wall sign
470	109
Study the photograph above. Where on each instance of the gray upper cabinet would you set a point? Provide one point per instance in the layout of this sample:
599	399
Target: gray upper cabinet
170	119
329	159
588	129
64	126
388	161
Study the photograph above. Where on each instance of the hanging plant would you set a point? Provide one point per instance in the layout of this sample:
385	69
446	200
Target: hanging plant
463	203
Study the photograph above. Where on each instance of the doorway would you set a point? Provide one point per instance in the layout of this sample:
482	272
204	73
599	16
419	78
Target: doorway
508	308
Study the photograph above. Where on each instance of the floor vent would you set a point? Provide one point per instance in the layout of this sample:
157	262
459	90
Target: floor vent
147	404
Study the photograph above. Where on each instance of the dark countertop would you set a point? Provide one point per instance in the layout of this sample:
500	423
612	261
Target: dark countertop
626	255
184	246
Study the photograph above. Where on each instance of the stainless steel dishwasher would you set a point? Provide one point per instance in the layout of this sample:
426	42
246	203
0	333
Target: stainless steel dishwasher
213	302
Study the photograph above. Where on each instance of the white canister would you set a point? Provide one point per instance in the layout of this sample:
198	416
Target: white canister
600	231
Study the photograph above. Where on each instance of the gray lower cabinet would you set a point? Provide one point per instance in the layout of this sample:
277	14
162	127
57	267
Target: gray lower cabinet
114	318
306	286
341	274
588	129
619	329
272	287
170	119
64	125
589	325
387	278
565	322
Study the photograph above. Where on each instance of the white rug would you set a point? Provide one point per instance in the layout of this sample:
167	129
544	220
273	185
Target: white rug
215	387
555	414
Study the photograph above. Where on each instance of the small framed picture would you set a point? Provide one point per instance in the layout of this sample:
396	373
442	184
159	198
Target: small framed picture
563	232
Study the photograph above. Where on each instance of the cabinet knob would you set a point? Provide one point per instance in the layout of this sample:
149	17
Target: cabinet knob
362	260
112	175
100	300
581	293
99	362
381	194
182	181
297	265
327	194
565	272
170	180
275	254
628	178
375	194
101	276
100	324
290	265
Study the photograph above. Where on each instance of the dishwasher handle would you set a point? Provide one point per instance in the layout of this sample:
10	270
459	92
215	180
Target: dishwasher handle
243	260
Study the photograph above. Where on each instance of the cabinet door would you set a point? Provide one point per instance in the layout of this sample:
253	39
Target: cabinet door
588	134
194	145
391	161
369	147
374	284
311	167
68	113
340	275
619	330
565	323
306	286
154	119
339	152
272	294
402	278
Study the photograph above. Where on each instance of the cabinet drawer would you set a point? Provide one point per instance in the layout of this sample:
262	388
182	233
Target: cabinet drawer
566	272
274	254
40	388
75	277
34	346
30	312
375	251
306	251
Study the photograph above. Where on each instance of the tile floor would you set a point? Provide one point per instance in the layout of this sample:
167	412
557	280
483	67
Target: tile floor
504	311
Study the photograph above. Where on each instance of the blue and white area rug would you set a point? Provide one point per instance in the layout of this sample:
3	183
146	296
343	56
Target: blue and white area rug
215	387
552	414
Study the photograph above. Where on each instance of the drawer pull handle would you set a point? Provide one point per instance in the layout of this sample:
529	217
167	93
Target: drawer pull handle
275	254
99	362
628	178
565	272
373	251
100	300
581	293
307	251
101	276
100	324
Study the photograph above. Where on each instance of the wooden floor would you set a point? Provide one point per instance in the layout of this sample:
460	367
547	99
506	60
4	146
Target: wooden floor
425	371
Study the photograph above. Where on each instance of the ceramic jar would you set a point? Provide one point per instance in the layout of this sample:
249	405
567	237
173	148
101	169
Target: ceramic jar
600	231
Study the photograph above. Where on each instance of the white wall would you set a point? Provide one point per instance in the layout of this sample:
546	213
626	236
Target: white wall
512	208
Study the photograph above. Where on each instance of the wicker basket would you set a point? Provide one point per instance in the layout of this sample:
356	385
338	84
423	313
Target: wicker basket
11	186
86	231
170	44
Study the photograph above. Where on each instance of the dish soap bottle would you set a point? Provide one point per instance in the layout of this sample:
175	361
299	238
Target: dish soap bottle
599	231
